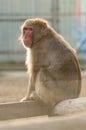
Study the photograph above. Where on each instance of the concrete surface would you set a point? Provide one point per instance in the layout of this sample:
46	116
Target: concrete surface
76	122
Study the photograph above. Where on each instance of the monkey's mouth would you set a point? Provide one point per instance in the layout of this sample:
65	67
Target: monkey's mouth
27	41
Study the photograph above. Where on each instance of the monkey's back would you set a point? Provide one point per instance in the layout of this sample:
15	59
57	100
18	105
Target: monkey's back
64	68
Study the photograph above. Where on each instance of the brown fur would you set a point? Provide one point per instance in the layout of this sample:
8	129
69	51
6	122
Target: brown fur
54	72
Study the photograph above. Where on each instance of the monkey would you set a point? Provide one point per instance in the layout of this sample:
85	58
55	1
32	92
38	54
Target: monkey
53	67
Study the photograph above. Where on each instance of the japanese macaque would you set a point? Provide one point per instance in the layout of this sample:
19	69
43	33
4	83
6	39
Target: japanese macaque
54	72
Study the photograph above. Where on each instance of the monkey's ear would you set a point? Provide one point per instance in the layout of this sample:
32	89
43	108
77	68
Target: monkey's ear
44	26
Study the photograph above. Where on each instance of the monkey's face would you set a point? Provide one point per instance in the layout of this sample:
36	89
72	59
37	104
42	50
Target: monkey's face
26	35
32	31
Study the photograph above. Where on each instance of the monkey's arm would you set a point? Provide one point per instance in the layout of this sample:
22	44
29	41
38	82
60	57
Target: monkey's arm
31	88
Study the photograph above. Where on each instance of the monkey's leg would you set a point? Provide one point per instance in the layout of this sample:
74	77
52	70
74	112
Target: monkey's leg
46	88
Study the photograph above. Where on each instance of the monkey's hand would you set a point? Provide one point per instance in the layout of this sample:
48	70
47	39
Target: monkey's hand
24	99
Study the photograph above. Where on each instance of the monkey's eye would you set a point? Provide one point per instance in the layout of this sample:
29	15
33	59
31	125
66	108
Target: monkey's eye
25	28
28	29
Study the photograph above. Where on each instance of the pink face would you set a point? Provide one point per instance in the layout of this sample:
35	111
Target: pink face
27	36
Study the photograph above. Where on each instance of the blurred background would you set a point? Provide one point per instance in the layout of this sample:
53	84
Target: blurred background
67	17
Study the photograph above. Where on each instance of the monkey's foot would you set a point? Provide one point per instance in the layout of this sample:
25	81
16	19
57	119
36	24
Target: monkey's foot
33	96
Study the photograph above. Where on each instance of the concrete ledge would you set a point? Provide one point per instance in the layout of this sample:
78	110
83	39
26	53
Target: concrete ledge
22	110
